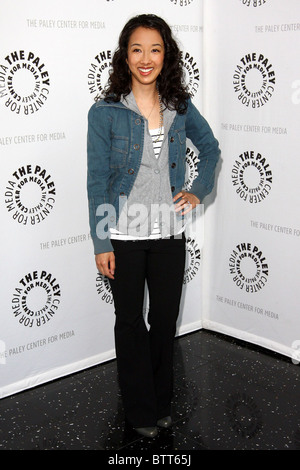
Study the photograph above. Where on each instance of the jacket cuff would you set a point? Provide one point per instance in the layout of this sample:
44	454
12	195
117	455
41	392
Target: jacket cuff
102	246
200	190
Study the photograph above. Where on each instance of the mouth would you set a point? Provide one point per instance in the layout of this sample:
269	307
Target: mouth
145	71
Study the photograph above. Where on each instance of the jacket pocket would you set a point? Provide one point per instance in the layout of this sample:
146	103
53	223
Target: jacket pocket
119	151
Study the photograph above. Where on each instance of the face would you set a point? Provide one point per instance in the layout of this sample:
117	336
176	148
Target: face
145	56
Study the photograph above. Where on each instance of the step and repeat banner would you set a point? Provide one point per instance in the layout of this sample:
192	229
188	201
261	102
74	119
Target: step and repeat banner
57	312
252	237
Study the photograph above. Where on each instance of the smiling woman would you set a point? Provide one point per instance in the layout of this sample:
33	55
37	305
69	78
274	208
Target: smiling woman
145	61
145	55
136	164
159	40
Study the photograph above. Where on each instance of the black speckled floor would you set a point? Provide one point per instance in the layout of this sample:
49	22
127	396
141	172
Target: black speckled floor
229	395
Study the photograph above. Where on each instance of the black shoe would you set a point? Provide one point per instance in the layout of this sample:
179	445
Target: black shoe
147	432
165	422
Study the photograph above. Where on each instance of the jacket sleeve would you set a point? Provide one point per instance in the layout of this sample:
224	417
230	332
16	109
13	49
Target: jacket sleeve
201	135
98	176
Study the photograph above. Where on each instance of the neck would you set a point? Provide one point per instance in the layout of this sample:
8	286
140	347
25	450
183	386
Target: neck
144	92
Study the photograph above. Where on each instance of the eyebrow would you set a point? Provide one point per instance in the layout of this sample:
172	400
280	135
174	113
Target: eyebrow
136	44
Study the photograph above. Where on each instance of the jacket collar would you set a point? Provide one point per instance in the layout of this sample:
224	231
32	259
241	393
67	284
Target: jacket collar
130	103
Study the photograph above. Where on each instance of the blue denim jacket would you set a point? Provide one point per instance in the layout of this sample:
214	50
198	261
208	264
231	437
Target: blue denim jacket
115	148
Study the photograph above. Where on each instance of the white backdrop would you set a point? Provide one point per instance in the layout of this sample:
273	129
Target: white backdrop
56	311
253	229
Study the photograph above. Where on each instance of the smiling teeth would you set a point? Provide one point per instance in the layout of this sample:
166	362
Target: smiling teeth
146	70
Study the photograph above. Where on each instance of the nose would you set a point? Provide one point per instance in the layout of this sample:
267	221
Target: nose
145	58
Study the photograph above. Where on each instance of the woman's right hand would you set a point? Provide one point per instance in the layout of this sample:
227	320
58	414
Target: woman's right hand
106	264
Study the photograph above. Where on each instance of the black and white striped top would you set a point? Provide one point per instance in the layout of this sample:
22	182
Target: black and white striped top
157	138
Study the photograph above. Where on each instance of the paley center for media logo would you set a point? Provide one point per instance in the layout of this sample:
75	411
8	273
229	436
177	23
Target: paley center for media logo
192	73
254	80
30	194
104	289
98	73
193	260
253	3
36	298
251	177
24	82
192	160
248	267
181	3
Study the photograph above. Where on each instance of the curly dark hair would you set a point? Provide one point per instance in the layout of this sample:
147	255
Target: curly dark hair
170	82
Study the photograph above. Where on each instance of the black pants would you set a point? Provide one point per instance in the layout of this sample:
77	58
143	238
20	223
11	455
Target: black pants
145	356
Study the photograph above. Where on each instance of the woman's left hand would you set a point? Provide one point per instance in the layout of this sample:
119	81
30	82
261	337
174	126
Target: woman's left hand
187	203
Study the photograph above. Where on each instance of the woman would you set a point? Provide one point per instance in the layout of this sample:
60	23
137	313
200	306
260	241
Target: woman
136	170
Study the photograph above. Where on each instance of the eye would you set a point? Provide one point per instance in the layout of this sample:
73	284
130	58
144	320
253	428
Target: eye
155	50
136	49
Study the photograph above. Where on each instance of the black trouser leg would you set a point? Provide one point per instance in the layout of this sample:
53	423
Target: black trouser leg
145	358
165	271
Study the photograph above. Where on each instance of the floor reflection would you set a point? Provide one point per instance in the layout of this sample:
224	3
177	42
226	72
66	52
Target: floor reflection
227	395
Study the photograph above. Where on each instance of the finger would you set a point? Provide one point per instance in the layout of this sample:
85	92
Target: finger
189	208
103	268
106	268
183	199
109	275
181	205
177	196
112	265
107	272
106	264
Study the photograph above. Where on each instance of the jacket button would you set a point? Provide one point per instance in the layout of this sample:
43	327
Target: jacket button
136	146
173	165
138	121
173	189
172	139
130	171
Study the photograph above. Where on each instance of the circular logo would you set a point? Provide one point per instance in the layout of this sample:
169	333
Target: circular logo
30	195
253	3
182	3
104	289
251	177
24	82
36	299
244	415
99	73
193	258
192	73
254	80
248	267
191	168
